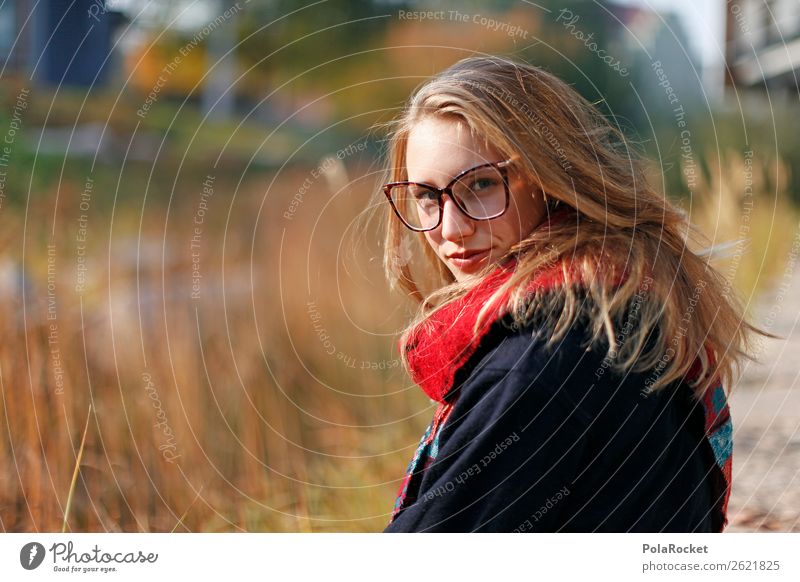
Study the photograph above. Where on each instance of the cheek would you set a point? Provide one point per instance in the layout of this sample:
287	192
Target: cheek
526	215
514	226
433	240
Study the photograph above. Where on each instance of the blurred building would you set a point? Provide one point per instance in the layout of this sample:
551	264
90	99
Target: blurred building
14	44
58	42
689	34
763	43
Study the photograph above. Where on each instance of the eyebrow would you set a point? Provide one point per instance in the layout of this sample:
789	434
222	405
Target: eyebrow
450	178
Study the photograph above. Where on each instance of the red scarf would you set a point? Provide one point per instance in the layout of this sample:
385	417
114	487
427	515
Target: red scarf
444	342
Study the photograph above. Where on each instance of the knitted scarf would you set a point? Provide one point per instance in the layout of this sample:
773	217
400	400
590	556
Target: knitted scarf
444	342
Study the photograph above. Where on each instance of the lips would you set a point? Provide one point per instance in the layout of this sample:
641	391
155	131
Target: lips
465	254
468	259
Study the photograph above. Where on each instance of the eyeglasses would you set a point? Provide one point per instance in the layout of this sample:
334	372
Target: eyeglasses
481	193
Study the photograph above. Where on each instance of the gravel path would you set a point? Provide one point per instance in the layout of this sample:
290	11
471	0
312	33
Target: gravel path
765	407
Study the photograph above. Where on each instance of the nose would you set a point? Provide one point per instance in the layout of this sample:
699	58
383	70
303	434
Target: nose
456	226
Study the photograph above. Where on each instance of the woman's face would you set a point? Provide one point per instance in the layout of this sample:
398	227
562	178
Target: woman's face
437	150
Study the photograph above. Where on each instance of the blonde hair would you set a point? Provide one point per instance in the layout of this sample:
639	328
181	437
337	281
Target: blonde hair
580	161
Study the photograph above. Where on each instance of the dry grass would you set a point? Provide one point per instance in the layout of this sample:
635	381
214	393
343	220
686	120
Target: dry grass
741	204
223	413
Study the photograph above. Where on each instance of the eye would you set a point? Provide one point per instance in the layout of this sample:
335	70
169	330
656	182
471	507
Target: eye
483	183
423	195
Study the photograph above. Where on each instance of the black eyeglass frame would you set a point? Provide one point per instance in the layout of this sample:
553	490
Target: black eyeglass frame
502	167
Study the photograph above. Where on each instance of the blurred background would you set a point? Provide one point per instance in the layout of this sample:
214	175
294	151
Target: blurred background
195	331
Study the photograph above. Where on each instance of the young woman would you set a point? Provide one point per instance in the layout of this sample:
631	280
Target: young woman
575	346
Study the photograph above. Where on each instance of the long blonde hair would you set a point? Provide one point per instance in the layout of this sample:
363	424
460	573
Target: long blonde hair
683	309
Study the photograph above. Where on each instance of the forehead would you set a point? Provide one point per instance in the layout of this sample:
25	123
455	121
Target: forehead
439	148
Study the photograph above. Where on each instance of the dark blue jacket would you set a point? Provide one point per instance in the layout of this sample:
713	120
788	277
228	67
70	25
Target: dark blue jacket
554	440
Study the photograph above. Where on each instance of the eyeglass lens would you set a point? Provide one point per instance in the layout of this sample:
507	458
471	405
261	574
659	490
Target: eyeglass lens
480	194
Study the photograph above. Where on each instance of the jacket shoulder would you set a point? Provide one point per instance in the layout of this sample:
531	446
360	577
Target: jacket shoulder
524	364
